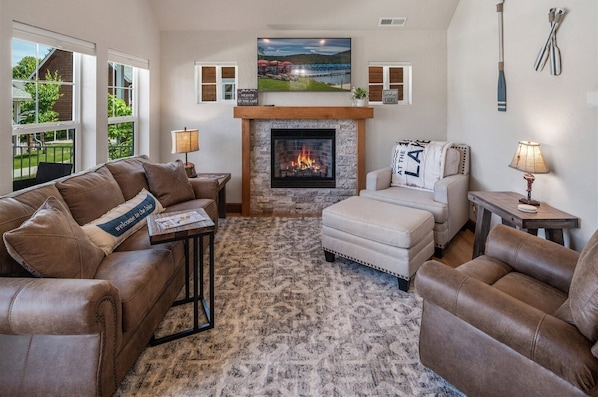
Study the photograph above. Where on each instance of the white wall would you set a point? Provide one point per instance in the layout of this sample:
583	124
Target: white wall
220	133
556	111
125	26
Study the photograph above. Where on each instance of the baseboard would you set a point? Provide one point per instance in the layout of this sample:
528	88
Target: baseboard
233	208
470	225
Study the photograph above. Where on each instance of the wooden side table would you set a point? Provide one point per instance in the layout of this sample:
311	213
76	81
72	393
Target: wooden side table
222	179
194	233
504	204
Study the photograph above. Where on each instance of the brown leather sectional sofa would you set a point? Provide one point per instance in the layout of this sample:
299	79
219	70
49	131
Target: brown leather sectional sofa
78	336
521	320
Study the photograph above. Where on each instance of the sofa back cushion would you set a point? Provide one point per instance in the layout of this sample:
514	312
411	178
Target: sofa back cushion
582	303
130	175
16	208
52	244
169	182
89	195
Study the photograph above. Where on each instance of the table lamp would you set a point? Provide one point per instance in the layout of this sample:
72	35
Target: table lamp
528	158
185	141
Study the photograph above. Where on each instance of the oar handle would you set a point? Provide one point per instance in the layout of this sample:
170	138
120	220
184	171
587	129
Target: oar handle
499	8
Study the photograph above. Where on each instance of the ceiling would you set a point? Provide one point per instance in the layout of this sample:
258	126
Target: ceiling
311	15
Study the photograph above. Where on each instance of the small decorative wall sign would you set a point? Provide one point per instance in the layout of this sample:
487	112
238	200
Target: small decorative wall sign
390	97
247	97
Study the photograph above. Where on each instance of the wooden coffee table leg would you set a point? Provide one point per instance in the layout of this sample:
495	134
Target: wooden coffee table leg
482	228
555	235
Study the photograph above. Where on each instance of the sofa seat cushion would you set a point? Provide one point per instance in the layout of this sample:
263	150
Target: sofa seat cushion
413	198
91	194
140	241
501	276
486	269
140	277
130	175
52	244
531	291
169	182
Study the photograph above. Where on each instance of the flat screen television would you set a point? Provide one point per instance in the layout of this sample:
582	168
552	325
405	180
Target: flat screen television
299	64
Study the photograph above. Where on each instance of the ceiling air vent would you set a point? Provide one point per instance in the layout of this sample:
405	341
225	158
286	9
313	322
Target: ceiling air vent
396	21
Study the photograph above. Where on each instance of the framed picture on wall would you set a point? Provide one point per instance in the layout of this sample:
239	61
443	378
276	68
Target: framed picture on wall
304	64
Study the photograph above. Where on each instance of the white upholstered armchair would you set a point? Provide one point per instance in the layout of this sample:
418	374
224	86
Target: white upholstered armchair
447	201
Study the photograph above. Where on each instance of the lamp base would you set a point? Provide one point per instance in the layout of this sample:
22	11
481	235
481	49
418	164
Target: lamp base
190	170
524	200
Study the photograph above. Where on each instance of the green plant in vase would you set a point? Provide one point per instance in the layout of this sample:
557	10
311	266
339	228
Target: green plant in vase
359	96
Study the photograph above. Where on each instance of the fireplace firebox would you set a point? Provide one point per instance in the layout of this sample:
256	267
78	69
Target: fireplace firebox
303	158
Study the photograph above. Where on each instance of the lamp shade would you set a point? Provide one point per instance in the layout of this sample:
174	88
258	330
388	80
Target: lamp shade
185	141
528	158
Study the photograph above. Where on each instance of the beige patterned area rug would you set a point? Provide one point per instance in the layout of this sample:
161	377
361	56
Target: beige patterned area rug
288	323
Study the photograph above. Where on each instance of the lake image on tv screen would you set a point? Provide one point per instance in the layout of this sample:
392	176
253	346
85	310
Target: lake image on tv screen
304	64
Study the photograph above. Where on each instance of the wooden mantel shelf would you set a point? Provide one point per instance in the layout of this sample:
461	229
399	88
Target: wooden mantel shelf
303	112
250	113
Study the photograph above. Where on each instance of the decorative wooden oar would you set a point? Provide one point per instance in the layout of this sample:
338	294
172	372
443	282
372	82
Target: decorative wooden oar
502	85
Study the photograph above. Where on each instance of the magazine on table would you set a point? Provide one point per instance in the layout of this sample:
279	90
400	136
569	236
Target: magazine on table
177	220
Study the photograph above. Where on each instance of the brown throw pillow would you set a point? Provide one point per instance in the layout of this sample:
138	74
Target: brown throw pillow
91	194
169	182
581	308
130	175
52	244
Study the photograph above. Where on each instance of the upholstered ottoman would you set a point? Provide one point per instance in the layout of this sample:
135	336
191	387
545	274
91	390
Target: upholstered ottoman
387	237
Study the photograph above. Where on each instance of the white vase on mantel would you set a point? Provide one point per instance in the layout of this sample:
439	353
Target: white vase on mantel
360	102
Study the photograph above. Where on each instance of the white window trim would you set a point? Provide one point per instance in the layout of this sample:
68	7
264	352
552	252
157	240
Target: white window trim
219	94
134	117
37	35
407	91
127	59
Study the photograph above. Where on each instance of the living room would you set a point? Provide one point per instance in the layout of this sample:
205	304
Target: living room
452	47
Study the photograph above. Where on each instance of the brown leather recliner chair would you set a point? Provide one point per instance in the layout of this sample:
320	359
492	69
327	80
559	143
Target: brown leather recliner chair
521	320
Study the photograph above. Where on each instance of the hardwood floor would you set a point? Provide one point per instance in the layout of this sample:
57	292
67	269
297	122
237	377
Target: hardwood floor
459	249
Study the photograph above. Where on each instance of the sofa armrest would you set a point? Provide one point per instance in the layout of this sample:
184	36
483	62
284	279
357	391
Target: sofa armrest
541	259
204	188
378	179
49	306
452	189
550	342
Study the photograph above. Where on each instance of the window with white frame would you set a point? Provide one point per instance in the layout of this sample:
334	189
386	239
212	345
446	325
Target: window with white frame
216	82
123	103
122	110
45	97
386	76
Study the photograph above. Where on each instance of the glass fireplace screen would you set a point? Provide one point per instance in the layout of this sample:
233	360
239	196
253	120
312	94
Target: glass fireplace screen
303	158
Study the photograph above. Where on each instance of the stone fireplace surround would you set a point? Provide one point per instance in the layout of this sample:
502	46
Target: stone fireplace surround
257	196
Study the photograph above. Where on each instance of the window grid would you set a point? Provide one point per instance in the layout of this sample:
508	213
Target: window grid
122	110
216	82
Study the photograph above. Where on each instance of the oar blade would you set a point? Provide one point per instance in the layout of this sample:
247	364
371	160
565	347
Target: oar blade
502	92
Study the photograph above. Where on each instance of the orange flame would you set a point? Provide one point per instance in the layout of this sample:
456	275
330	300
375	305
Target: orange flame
304	159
